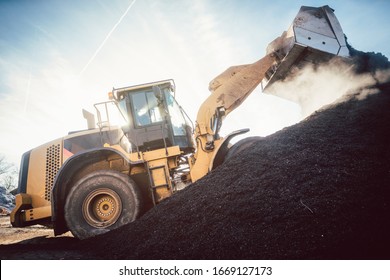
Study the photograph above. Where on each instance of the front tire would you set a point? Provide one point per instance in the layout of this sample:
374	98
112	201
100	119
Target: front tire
100	202
241	145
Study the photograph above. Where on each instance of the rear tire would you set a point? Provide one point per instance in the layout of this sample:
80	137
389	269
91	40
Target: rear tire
100	202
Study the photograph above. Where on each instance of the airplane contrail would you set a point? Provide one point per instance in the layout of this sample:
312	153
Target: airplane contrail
108	36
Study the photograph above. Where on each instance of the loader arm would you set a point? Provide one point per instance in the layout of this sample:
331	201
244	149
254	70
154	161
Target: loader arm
314	37
228	91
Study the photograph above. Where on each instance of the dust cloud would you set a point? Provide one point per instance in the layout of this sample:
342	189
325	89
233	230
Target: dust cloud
316	86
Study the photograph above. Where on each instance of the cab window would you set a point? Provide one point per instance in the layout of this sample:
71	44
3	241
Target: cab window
148	108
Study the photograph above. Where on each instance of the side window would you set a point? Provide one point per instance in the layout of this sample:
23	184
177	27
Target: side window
147	108
156	107
141	109
178	121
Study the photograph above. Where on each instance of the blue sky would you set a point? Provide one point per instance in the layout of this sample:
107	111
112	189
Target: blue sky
57	57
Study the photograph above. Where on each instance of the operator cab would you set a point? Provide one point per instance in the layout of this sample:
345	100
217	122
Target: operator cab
154	118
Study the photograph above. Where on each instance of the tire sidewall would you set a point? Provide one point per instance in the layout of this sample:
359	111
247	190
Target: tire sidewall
122	184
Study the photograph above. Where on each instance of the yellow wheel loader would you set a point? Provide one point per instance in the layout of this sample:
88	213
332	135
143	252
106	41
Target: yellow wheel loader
96	180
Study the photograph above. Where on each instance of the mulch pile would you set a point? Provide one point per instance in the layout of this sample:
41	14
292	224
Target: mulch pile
317	190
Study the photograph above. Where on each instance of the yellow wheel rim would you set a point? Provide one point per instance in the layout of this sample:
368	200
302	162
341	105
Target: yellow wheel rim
102	208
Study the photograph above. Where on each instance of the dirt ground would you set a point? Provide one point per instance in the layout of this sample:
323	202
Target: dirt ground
35	242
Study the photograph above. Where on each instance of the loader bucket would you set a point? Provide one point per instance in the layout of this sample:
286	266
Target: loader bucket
315	36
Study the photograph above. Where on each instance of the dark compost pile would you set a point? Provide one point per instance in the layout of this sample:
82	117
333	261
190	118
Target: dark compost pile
317	190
